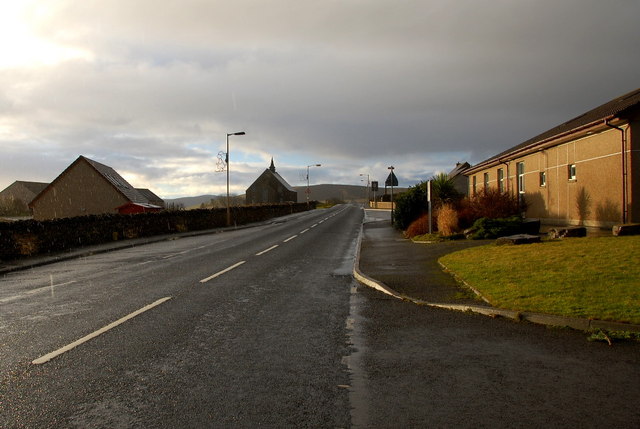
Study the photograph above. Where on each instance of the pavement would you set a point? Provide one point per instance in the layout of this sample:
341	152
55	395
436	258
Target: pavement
385	261
410	271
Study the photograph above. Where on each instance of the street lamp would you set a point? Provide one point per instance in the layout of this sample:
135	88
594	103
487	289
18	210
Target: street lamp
240	133
308	191
391	175
368	196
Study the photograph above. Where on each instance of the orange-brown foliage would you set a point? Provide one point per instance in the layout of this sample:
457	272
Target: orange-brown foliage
418	227
447	219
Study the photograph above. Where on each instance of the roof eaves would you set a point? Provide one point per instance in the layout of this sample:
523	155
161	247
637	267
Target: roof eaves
591	118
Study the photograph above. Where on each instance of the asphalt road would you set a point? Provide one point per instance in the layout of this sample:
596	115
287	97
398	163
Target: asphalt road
253	331
267	327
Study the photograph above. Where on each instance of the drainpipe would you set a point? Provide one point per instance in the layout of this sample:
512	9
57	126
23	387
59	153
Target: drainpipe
624	168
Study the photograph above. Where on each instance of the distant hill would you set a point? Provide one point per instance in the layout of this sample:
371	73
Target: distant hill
189	201
346	193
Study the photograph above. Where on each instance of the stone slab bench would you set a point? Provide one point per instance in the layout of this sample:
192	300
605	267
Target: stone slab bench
572	231
518	239
626	229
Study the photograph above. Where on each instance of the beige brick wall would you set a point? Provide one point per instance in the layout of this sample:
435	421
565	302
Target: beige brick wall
593	198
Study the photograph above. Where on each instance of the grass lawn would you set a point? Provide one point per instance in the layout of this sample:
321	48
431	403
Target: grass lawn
596	278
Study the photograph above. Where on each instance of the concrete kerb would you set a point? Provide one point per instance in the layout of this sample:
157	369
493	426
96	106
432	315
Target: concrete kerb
586	325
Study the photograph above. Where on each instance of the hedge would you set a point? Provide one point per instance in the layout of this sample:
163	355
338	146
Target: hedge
30	237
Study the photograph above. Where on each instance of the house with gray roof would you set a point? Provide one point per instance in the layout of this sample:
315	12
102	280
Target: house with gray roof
15	198
584	171
88	187
270	188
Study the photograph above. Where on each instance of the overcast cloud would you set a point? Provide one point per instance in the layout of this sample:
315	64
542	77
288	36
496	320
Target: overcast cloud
151	88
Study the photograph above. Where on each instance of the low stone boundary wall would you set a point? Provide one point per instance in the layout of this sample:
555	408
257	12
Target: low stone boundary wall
30	237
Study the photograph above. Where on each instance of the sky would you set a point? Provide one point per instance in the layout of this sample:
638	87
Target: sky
152	87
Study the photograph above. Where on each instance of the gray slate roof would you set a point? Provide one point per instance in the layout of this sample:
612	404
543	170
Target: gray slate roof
118	181
607	110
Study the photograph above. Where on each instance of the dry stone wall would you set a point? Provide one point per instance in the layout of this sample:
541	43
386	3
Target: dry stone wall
29	237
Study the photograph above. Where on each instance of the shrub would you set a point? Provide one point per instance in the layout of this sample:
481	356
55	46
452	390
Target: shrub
493	204
443	190
419	226
447	219
486	228
410	205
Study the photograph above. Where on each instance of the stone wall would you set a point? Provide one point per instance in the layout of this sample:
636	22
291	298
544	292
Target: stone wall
30	237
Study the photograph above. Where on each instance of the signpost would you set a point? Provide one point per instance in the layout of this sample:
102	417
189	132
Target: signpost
392	181
374	188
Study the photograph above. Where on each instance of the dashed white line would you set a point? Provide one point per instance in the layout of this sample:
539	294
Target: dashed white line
290	238
266	250
304	230
314	225
219	273
34	291
46	358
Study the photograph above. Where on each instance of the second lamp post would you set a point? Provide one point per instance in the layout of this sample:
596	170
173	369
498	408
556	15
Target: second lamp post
240	133
308	191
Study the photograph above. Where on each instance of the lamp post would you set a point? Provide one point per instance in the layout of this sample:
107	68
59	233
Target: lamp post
368	196
392	176
240	133
308	191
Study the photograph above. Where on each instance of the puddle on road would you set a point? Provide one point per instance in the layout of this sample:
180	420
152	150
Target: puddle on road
358	391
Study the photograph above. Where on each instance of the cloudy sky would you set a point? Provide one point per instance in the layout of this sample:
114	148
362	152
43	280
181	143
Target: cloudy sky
152	87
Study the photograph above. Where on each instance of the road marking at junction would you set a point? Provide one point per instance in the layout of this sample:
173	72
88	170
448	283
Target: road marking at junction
176	254
46	358
219	273
290	238
34	291
266	250
304	230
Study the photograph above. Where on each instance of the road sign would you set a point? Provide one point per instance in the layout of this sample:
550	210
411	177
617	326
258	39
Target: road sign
392	180
374	186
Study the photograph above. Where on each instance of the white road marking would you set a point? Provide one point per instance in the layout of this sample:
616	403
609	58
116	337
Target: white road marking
176	254
266	250
304	230
314	225
219	273
290	238
46	358
33	292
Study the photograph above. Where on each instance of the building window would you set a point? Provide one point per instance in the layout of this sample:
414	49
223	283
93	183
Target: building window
543	178
474	185
520	170
571	170
501	179
486	181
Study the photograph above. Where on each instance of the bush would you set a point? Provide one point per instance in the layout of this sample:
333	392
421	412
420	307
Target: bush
447	219
443	190
419	226
485	228
410	205
493	204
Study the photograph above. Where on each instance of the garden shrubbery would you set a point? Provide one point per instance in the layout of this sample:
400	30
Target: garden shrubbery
493	204
490	213
486	228
410	205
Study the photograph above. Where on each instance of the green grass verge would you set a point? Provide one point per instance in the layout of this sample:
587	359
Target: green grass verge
596	278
